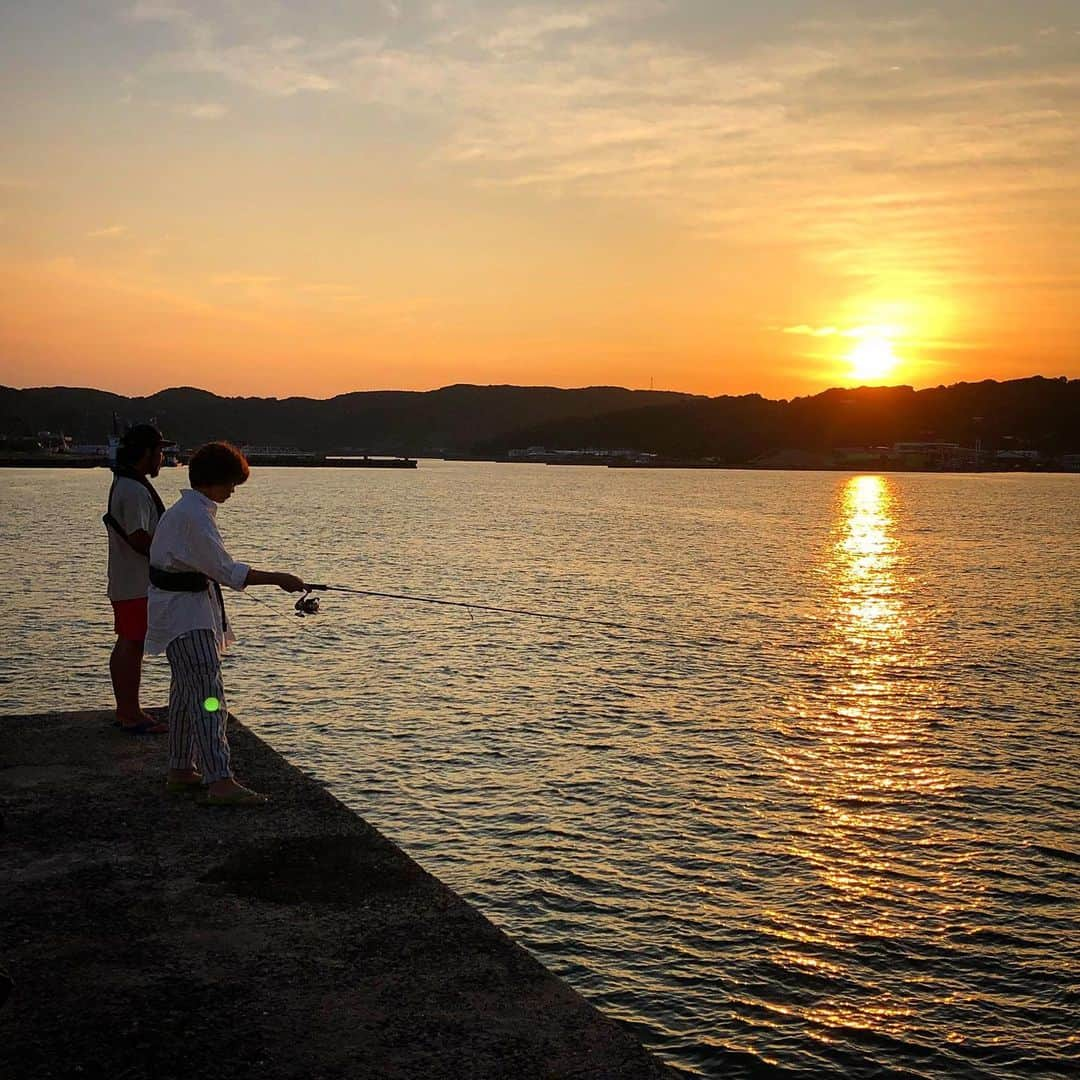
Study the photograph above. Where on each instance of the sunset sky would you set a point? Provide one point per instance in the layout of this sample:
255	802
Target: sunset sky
701	195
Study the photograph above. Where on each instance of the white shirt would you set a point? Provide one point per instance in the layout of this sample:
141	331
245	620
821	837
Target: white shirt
187	538
134	509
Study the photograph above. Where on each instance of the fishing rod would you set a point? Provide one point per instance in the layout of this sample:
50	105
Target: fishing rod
309	605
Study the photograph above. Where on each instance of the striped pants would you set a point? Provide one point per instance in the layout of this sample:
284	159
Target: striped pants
197	710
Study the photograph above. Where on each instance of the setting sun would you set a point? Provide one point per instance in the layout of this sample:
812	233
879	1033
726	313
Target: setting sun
872	358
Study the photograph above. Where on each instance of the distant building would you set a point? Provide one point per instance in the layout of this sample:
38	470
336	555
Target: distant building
862	455
925	447
1018	455
250	451
585	455
935	455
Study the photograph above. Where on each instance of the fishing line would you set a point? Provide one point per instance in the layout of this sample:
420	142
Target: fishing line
278	611
471	606
650	634
265	603
309	605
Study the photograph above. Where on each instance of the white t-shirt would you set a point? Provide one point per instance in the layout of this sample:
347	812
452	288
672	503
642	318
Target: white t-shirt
187	538
133	507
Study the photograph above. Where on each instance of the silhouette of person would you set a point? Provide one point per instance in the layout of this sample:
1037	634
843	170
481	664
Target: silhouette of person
134	509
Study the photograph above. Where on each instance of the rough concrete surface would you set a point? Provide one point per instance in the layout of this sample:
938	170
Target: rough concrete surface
147	936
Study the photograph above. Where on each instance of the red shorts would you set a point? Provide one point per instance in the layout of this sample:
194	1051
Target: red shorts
129	618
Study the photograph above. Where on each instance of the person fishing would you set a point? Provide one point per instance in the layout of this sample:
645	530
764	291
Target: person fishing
187	621
134	509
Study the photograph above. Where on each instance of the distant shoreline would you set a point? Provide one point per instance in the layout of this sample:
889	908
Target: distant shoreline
314	461
61	461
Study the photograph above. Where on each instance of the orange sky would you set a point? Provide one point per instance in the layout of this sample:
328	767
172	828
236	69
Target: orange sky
301	200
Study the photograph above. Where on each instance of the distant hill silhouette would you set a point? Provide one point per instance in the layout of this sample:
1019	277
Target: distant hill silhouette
1037	412
383	422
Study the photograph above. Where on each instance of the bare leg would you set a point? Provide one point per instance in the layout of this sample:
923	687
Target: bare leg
125	667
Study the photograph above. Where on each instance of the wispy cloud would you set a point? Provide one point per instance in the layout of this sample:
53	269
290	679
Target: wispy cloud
205	111
850	136
247	51
158	11
272	69
811	331
525	30
873	330
873	115
107	231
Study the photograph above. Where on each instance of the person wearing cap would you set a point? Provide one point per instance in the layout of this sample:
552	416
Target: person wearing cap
134	510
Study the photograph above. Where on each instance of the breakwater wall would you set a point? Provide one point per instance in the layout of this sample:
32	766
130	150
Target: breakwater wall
147	936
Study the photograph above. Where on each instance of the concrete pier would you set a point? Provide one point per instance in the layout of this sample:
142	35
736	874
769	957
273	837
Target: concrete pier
148	937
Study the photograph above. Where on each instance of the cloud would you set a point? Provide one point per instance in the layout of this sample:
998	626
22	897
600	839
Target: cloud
811	331
109	230
875	141
525	30
207	111
868	330
272	69
250	46
616	110
158	11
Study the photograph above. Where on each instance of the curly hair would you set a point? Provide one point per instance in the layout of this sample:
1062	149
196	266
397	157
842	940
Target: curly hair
217	463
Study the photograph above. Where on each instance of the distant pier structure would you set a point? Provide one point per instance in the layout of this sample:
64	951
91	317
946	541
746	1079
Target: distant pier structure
288	456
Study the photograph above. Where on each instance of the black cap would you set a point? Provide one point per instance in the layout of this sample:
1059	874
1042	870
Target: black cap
141	437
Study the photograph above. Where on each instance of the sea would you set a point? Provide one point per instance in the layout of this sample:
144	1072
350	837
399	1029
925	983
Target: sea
812	811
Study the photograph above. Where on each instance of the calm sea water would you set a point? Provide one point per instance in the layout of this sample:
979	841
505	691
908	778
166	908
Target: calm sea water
822	819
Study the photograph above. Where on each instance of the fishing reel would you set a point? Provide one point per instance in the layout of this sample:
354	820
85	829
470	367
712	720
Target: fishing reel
306	605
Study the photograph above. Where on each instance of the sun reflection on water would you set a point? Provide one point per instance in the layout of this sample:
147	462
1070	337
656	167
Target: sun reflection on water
860	750
870	620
